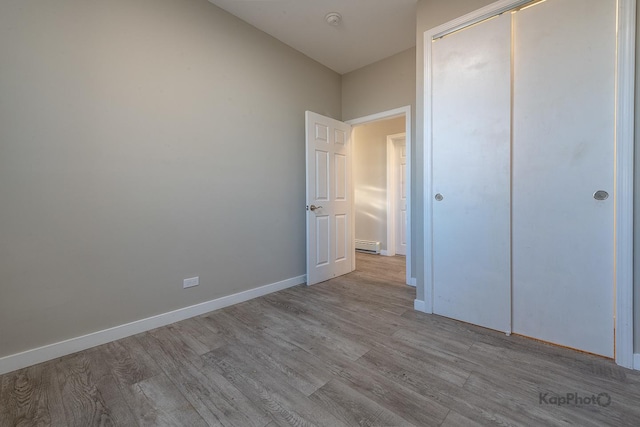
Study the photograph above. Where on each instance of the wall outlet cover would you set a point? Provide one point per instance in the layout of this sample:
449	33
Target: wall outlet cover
188	283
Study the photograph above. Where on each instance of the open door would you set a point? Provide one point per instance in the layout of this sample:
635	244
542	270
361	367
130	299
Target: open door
329	204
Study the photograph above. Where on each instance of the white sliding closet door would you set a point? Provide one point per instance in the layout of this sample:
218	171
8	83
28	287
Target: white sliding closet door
471	173
563	153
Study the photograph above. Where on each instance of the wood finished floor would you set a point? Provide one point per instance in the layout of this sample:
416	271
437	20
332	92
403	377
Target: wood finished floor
350	351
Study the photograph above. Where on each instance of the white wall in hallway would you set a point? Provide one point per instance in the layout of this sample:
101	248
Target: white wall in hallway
370	177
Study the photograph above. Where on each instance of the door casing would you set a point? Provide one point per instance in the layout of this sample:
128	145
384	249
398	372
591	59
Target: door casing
390	114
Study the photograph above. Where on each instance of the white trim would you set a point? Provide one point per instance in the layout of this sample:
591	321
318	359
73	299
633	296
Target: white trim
477	16
471	18
390	114
384	115
391	191
636	361
427	154
625	71
420	305
625	77
48	352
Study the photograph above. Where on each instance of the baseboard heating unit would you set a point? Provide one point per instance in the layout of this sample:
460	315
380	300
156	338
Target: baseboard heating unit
368	246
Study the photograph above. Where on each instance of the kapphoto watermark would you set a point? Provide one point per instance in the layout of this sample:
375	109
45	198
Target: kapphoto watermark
575	399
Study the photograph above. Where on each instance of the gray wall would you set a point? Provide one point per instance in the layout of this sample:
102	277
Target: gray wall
137	139
382	86
370	177
432	13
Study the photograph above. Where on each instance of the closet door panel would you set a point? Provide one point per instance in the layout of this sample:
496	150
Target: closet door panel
563	152
471	171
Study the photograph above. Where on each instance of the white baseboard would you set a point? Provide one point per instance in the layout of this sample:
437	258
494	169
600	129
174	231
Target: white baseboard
412	282
384	252
636	361
420	305
48	352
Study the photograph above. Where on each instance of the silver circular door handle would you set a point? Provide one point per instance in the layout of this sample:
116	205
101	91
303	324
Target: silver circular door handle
601	195
439	197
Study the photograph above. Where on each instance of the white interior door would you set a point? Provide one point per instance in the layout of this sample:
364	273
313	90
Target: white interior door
329	205
563	153
400	204
471	174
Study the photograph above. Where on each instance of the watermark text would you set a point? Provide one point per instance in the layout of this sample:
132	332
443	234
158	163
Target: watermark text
575	399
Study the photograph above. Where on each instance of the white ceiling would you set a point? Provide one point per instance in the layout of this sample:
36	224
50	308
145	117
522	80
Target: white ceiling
370	30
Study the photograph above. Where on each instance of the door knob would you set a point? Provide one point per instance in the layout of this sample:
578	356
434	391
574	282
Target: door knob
439	197
314	207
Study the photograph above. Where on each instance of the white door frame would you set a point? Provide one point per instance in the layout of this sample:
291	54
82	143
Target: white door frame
391	191
624	167
390	114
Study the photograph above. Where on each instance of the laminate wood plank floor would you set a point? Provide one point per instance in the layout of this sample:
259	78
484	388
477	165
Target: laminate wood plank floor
350	351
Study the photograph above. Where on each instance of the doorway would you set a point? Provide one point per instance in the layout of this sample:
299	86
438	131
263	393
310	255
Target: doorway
382	185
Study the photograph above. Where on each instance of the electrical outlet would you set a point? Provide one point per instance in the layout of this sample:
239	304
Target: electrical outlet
188	283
